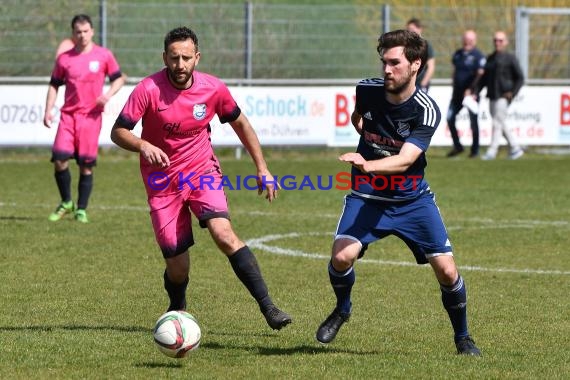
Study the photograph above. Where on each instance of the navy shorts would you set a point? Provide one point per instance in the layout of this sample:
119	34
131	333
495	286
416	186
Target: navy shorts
417	222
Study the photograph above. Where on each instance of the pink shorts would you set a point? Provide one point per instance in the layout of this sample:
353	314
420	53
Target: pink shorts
171	217
78	137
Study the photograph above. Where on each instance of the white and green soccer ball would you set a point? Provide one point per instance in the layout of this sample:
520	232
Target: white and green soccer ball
176	333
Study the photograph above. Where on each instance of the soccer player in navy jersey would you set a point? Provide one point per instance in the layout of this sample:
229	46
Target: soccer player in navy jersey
396	121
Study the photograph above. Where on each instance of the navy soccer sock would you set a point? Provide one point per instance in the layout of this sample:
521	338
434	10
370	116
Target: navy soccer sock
84	188
63	181
176	293
342	283
247	270
454	300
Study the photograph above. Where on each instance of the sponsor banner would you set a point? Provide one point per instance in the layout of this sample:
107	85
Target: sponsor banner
281	115
537	116
302	116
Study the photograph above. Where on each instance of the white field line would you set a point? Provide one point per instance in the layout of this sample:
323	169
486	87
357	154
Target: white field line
480	223
261	244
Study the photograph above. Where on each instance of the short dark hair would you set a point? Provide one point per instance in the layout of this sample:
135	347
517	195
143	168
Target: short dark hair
181	33
415	47
415	21
81	18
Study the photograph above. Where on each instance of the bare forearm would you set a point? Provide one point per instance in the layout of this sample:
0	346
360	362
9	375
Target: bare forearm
396	164
389	165
115	86
249	139
50	98
125	139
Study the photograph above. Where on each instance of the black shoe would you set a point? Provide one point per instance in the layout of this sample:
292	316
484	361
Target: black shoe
474	155
454	152
329	328
276	319
466	346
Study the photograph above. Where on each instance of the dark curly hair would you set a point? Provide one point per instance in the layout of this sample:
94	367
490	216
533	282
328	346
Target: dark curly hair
181	33
415	47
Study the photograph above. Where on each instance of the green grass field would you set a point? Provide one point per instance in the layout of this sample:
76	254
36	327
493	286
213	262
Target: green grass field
79	301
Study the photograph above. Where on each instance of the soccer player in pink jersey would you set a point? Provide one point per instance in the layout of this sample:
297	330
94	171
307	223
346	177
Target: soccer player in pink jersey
82	70
176	106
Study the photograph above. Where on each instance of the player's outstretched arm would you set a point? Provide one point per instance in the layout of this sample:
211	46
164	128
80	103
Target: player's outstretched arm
124	138
248	138
396	164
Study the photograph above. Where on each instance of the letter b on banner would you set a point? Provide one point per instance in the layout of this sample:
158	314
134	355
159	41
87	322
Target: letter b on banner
565	109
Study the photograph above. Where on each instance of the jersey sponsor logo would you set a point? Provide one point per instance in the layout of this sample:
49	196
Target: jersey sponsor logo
94	66
171	128
176	130
372	138
199	111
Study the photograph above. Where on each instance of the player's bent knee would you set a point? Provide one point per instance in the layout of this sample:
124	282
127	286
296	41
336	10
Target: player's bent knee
224	236
444	269
344	253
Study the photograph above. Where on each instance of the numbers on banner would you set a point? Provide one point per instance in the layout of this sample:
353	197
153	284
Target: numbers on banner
21	113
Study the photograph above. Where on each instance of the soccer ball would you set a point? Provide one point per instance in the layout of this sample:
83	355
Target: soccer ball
176	333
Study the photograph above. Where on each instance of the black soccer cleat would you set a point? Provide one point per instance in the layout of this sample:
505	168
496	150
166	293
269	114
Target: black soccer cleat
466	346
276	319
329	328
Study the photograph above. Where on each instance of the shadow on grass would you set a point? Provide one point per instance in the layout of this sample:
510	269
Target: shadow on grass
306	349
159	365
76	327
11	218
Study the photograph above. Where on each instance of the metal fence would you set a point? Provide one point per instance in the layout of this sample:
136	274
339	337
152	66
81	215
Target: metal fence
275	42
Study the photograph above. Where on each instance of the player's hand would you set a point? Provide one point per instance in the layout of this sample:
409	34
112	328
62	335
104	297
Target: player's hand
154	155
48	118
265	181
509	96
355	159
102	100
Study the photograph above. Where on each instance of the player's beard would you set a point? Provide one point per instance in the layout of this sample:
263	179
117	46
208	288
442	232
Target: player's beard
178	78
397	87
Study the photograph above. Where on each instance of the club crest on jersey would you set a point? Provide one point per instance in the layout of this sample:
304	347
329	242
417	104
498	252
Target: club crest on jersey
199	111
94	66
403	129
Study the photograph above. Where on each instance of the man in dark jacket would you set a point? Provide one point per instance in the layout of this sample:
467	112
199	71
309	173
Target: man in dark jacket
503	78
468	63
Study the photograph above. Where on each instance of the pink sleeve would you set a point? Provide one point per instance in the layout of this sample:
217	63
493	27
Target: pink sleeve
58	72
226	107
135	107
113	68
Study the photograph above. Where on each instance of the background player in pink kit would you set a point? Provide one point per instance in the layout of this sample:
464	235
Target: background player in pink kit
176	106
82	70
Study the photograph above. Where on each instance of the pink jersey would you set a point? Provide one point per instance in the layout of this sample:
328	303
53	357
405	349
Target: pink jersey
178	122
84	76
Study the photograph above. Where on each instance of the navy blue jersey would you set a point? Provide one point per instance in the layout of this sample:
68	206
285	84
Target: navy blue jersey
386	127
466	64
